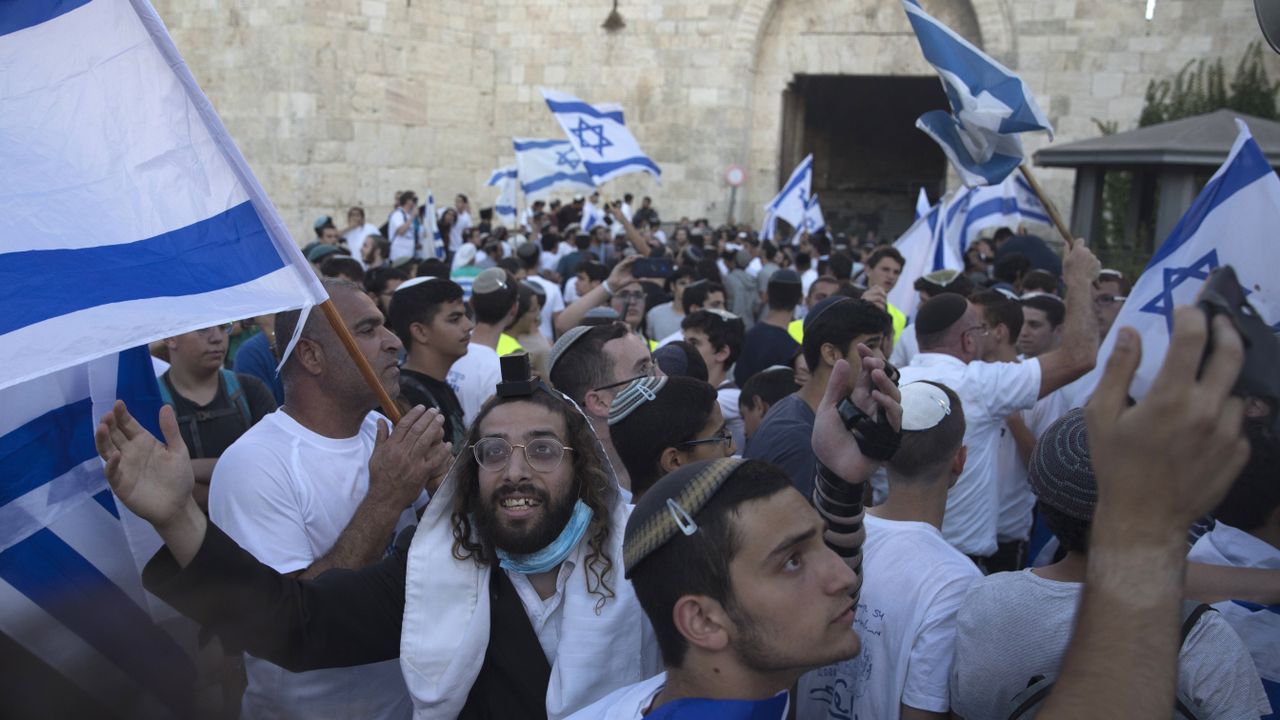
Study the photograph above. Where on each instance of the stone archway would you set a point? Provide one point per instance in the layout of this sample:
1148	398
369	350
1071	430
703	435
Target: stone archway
787	40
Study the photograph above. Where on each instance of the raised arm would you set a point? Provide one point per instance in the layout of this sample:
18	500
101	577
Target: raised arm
1078	351
574	313
629	230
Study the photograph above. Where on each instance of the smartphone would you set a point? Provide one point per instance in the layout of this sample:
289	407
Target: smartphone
654	268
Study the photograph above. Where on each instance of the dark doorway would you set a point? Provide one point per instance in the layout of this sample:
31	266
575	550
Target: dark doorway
869	160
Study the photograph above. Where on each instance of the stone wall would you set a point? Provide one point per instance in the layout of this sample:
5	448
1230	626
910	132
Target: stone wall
340	102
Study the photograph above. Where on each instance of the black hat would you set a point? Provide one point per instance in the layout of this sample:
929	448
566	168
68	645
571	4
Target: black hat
785	277
939	313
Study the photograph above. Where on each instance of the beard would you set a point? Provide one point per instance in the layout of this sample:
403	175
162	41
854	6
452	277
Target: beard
762	650
525	536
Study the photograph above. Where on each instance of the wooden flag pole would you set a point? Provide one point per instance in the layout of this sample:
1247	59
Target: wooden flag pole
340	329
1048	205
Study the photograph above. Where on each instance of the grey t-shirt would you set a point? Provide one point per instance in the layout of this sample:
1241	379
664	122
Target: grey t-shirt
1013	626
662	321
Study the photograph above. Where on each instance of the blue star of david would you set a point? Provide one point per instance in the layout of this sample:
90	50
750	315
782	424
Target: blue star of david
601	142
566	159
1163	303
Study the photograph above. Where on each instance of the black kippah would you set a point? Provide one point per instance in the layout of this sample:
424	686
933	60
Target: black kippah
940	313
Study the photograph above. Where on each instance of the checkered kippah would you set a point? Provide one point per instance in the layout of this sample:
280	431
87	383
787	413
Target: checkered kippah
668	508
1060	470
635	394
565	342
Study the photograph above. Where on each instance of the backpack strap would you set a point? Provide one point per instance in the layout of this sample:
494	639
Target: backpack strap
1031	697
237	397
1192	612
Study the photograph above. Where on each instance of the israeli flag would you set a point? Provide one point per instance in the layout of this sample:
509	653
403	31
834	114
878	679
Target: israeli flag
543	166
770	222
592	215
431	231
1231	222
1007	204
600	135
71	555
922	204
129	213
931	243
791	202
505	207
989	104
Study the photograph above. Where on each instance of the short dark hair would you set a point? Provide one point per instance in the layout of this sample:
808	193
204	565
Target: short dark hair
770	385
1051	305
433	267
924	452
839	325
1003	233
1255	494
886	251
491	307
1040	281
375	281
696	293
698	564
841	266
721	331
998	309
419	304
343	266
1072	534
783	296
1010	267
382	245
592	269
583	367
679	410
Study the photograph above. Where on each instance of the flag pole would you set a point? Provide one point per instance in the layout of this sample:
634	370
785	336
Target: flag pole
1048	205
389	407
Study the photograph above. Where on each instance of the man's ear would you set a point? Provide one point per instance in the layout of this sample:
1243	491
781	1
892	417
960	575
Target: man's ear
419	333
669	460
722	354
957	464
702	622
830	354
595	404
310	355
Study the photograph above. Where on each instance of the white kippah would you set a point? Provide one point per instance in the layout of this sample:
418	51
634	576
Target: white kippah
924	405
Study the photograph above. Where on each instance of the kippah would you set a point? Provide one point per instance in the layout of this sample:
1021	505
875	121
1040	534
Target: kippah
603	312
414	282
924	405
564	343
528	250
321	250
785	277
672	359
721	313
822	307
667	509
942	281
1037	293
490	280
535	288
635	394
1060	470
939	313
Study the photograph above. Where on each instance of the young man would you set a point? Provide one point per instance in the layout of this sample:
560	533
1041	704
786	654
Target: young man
429	317
1013	627
700	295
818	290
494	301
401	228
743	292
462	207
1109	293
357	230
833	329
768	343
761	392
375	251
884	268
1042	317
664	319
529	256
214	406
717	336
906	617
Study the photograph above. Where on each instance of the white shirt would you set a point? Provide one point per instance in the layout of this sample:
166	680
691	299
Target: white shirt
807	278
285	494
401	245
544	615
554	303
1013	626
906	619
727	395
1016	497
905	348
625	703
673	337
355	237
474	378
989	392
455	232
753	267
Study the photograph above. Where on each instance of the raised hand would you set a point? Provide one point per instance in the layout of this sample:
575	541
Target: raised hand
870	390
407	459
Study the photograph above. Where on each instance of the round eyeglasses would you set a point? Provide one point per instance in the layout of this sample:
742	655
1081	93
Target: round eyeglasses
542	454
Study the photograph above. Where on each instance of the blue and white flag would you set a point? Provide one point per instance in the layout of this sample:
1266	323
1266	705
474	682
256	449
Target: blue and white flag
791	202
543	166
1231	222
813	219
129	213
71	555
931	243
989	104
432	242
1008	204
600	135
505	206
922	204
592	215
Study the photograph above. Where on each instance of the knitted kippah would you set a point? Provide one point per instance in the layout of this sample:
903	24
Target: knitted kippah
565	342
635	394
669	507
1060	470
939	313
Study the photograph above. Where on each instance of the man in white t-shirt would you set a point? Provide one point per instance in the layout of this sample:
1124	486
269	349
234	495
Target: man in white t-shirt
462	206
401	228
952	335
495	301
906	615
529	255
357	229
319	485
1015	626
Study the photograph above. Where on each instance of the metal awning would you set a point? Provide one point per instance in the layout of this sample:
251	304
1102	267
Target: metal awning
1202	140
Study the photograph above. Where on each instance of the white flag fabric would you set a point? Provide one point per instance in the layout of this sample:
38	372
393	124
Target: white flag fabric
989	104
71	555
922	204
1231	222
600	136
129	213
931	243
813	219
505	207
592	215
543	166
790	202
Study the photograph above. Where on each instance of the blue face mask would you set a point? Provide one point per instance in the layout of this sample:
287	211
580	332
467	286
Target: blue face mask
555	553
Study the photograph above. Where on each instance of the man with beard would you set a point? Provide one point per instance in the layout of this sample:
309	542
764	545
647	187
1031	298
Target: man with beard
375	252
514	608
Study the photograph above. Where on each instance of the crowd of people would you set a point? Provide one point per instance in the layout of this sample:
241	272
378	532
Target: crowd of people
672	519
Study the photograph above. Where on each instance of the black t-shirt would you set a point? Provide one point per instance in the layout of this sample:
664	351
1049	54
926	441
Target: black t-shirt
441	398
764	345
219	423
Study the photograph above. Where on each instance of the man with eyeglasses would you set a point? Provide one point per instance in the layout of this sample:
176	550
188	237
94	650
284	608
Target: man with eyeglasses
1109	294
214	406
718	336
953	340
